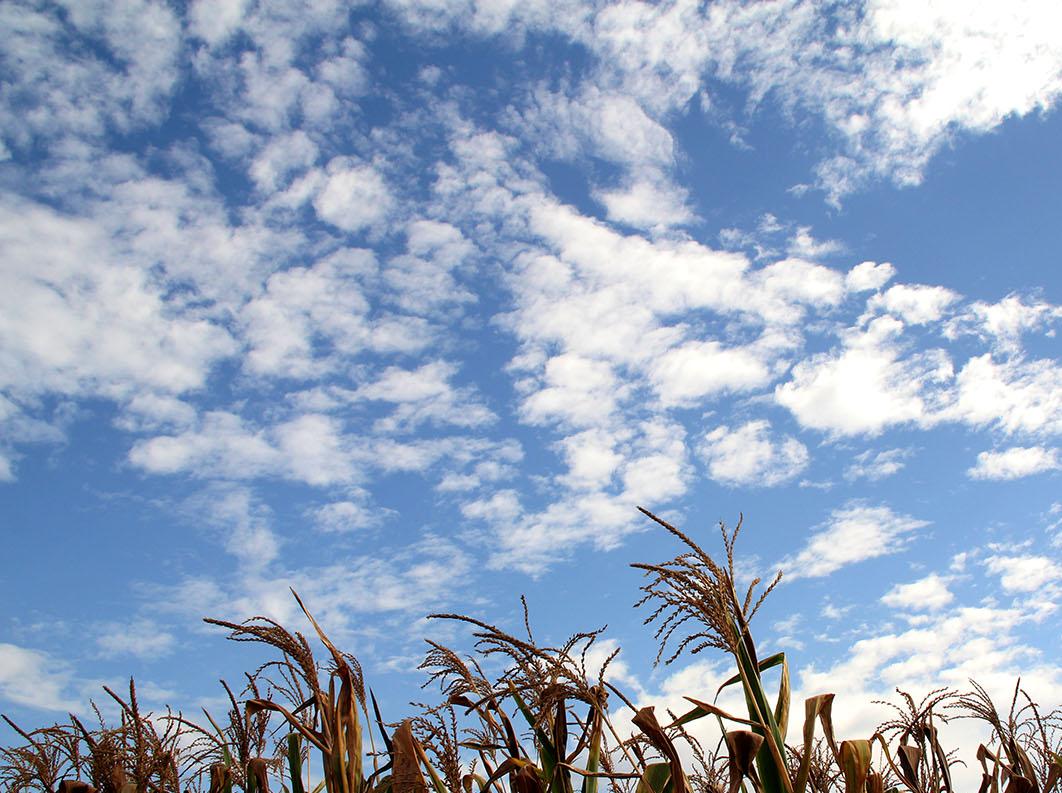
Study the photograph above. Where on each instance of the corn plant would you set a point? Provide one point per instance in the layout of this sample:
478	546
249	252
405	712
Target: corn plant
542	686
540	722
335	727
697	607
232	753
1027	755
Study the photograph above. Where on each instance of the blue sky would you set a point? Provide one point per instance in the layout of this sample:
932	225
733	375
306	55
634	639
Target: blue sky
409	304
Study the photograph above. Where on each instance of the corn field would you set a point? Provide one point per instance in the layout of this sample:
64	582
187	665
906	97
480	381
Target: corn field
546	724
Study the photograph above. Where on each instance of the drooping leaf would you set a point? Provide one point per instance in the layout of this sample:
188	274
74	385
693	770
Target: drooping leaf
406	774
742	747
818	708
910	756
257	775
645	720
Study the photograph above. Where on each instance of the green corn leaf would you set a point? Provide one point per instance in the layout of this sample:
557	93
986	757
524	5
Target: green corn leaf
767	663
295	762
547	752
703	709
593	756
770	762
655	779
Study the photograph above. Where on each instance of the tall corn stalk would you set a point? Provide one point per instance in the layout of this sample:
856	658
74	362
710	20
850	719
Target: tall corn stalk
335	727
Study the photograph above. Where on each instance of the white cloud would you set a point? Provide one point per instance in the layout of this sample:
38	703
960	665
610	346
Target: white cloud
415	578
283	157
877	465
1015	462
916	304
35	679
943	649
866	386
854	533
804	246
1026	573
428	382
686	374
77	322
347	516
221	445
597	121
7	471
243	521
354	196
798	281
592	457
746	455
1015	395
141	638
930	593
1006	320
578	390
868	276
305	316
316	449
123	82
424	395
502	507
646	204
214	21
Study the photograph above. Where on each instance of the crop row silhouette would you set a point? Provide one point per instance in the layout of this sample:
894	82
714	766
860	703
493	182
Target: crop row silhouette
543	725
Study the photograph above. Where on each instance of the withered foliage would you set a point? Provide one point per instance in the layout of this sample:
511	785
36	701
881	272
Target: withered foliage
695	594
521	716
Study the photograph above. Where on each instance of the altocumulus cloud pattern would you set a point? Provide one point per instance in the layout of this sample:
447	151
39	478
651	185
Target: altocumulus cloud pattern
409	304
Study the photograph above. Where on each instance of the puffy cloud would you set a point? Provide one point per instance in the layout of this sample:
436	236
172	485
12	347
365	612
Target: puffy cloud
917	304
853	533
215	20
592	457
76	321
1024	573
866	386
283	157
124	80
597	121
1014	463
929	593
353	197
222	445
798	281
688	373
1006	320
1015	395
868	276
804	246
746	455
423	395
577	390
647	204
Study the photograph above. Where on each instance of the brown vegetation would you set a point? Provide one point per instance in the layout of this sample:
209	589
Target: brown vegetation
543	725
